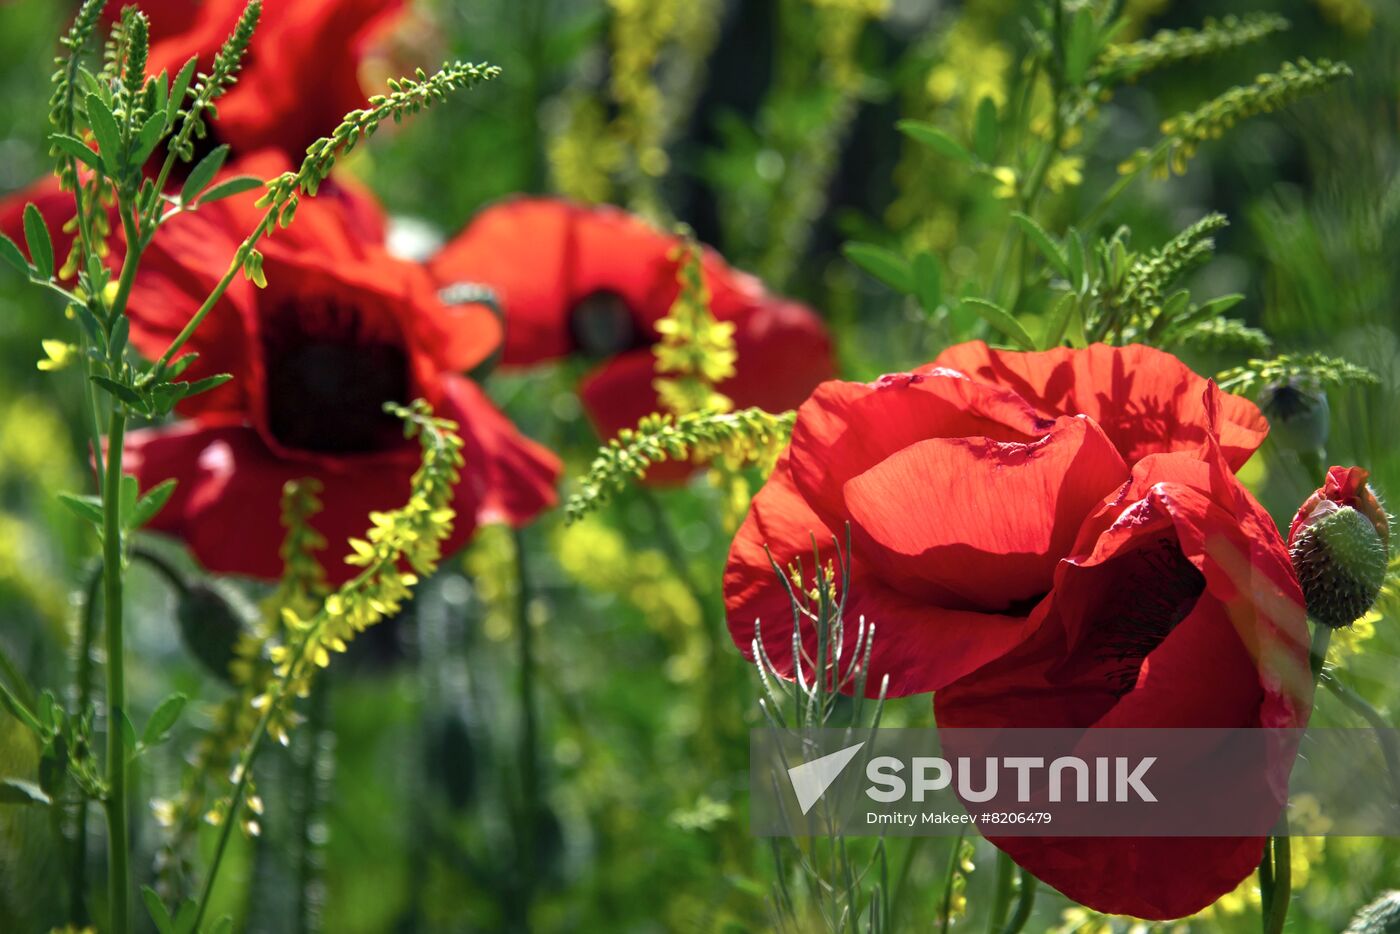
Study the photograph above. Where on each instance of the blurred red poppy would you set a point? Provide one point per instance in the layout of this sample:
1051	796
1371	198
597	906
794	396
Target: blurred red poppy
56	206
1047	539
594	281
316	44
310	43
341	328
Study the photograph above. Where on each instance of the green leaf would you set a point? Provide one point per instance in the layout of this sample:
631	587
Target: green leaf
1044	242
231	187
84	507
1075	260
184	918
935	139
1082	46
122	392
128	733
19	791
109	137
76	148
149	137
13	255
149	505
1211	309
178	89
129	493
886	265
167	713
928	281
20	712
1057	323
206	384
116	341
203	173
984	134
157	910
36	234
1002	320
223	926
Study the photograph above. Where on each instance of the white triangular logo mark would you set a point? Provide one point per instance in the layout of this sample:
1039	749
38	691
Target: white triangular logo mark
810	780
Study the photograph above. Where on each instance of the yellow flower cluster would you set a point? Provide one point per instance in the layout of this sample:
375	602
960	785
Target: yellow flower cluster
412	535
695	352
745	436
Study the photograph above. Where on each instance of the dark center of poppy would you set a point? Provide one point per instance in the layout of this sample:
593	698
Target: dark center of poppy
328	377
602	325
1154	589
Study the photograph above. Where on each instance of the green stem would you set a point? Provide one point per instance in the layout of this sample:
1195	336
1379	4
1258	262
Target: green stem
1266	880
317	752
1358	705
1317	652
1276	912
235	266
1001	903
244	771
529	741
948	881
1025	903
119	866
83	679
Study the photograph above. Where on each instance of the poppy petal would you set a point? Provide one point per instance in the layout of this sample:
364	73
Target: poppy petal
985	550
226	504
1147	400
918	646
845	428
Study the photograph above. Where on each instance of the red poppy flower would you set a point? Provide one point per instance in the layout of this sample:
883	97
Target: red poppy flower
596	280
1046	539
1178	608
963	489
316	44
341	328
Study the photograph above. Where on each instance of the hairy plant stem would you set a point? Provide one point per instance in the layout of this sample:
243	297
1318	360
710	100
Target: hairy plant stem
1275	870
1358	705
82	677
118	865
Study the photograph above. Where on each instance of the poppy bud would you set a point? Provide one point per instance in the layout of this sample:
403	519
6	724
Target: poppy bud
1339	543
1382	916
212	619
1298	414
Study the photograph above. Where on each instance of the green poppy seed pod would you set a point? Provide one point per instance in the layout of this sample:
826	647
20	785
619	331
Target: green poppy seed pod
1382	916
212	619
1298	414
1339	544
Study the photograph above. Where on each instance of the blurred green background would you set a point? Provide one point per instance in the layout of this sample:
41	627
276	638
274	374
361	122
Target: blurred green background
768	126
